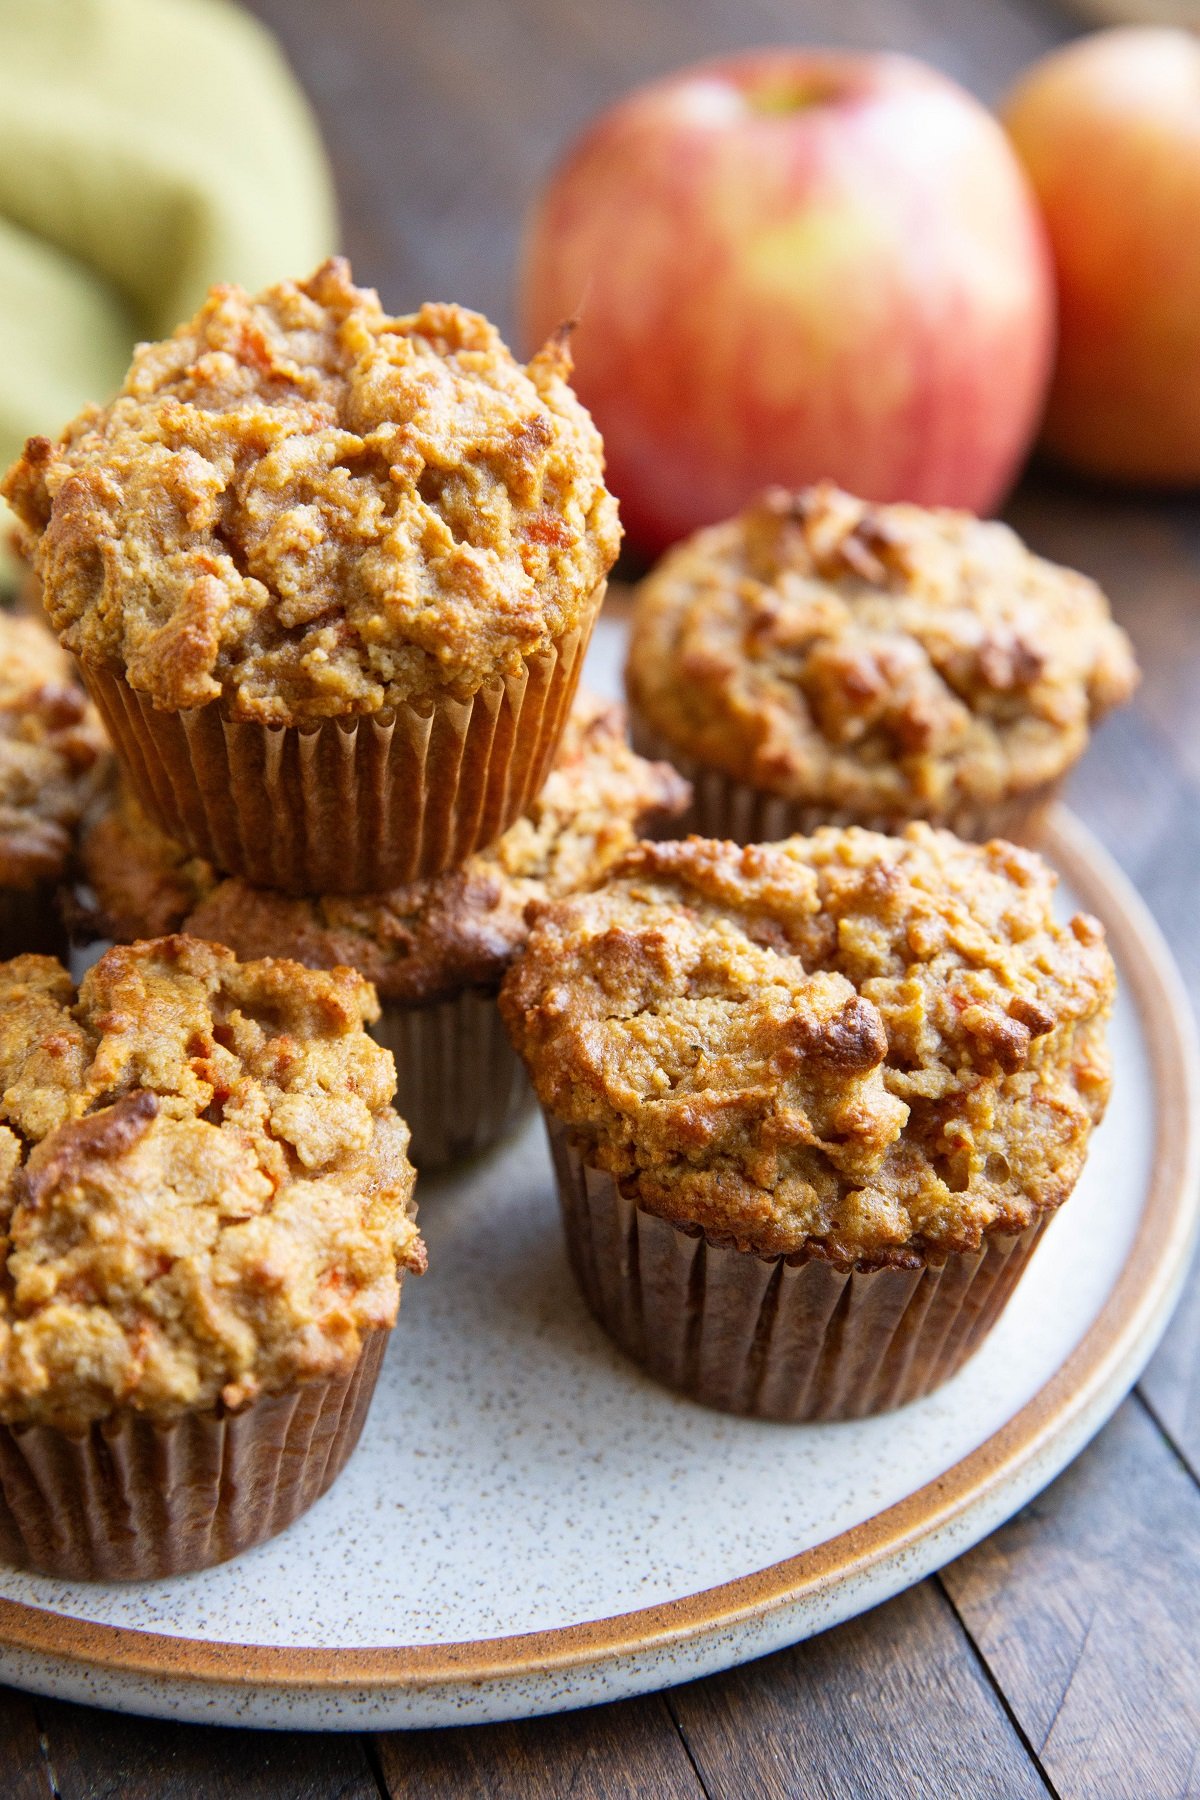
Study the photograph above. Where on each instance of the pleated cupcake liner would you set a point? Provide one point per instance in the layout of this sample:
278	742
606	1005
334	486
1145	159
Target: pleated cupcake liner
460	1085
31	922
131	1499
723	807
347	806
775	1337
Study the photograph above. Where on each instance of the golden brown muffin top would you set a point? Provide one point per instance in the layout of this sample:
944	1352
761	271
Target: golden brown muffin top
419	943
874	659
206	1191
305	508
872	1049
53	754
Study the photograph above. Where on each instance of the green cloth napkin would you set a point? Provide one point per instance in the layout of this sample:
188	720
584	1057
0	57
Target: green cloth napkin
147	149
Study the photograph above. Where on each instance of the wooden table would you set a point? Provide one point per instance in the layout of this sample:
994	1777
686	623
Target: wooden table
1063	1655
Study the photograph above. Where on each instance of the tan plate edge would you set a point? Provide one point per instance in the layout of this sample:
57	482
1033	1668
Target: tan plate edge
1155	1267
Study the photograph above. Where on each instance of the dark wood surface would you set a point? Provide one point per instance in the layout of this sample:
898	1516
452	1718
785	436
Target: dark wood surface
1062	1656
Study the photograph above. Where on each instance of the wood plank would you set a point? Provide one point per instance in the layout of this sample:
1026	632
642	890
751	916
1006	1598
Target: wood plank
891	1703
1171	1384
1146	556
1085	1610
110	1756
605	1753
24	1773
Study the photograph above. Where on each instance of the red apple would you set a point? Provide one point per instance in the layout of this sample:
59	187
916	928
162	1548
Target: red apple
791	265
1109	131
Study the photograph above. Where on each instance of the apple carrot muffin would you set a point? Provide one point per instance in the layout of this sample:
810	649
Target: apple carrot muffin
819	660
208	1211
812	1104
53	759
435	950
329	575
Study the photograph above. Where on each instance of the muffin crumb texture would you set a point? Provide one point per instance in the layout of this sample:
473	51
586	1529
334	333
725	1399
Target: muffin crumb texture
874	659
305	508
876	1050
421	943
53	755
206	1191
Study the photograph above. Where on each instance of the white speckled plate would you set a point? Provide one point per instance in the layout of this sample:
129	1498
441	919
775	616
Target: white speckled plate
529	1524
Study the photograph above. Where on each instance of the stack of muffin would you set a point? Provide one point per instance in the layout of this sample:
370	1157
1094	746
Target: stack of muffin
341	572
813	1103
329	577
435	950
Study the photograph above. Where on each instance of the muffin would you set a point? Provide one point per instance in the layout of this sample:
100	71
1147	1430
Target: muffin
435	950
208	1211
330	576
53	759
812	1104
822	661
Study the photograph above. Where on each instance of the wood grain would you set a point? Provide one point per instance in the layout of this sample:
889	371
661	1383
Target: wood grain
105	1756
24	1773
1085	1609
607	1753
1171	1384
893	1703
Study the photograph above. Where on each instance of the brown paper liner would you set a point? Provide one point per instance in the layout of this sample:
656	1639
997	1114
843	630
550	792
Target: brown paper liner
723	807
347	807
775	1337
460	1085
131	1499
30	921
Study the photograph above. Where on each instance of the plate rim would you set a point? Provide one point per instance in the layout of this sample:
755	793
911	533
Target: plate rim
1135	1307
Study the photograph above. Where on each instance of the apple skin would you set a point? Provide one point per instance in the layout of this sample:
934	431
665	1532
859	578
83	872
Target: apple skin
792	265
1109	132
